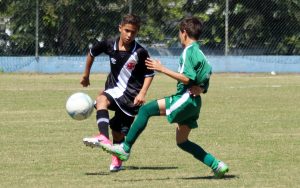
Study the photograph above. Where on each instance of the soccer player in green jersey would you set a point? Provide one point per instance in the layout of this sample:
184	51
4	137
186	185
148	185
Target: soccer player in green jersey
184	106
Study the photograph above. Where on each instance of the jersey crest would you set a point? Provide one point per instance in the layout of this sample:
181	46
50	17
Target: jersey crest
130	65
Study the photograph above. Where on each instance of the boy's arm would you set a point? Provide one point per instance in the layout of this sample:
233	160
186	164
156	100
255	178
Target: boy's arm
156	65
97	49
140	98
85	80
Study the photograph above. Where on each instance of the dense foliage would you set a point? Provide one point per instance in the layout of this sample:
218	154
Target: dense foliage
68	27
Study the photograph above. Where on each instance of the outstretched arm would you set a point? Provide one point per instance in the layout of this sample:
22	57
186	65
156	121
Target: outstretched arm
157	66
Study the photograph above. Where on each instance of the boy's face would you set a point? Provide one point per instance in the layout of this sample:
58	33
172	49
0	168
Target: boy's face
128	33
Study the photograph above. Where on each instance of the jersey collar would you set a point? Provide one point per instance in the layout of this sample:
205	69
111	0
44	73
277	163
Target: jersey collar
132	45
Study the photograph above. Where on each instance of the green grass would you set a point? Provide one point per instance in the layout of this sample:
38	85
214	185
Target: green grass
251	121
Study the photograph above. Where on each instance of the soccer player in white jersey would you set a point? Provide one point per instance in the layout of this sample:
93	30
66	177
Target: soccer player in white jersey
126	85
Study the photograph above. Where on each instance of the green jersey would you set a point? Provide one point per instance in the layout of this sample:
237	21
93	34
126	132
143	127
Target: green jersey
194	65
182	108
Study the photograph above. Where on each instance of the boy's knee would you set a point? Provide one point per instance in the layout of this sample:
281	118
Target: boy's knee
149	109
101	98
143	109
102	102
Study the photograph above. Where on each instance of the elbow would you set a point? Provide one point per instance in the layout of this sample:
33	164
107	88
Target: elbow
186	81
182	78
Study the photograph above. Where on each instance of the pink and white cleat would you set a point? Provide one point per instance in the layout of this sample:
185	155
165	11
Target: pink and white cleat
116	164
95	141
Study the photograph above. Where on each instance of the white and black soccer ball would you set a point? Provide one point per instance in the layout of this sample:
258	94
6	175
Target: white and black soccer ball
79	106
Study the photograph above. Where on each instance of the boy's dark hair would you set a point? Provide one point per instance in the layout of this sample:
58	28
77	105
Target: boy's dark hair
131	19
193	27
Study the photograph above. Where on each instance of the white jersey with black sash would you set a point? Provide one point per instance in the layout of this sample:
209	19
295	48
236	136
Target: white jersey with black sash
127	74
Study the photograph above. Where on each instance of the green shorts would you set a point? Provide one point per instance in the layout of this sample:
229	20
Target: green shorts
183	109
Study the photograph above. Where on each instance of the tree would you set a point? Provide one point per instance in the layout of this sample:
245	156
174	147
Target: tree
270	25
68	27
65	27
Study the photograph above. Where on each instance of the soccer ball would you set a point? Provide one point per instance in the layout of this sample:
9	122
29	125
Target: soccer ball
79	106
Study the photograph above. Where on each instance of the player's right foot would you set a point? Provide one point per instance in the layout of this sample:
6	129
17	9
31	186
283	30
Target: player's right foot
116	164
220	171
94	141
116	150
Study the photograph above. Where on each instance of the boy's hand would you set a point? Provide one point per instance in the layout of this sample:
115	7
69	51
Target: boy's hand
195	90
154	65
85	81
139	100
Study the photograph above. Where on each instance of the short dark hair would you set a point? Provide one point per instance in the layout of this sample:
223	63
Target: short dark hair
193	27
131	19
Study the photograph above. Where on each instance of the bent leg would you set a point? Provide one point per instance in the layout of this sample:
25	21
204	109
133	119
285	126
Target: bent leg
153	108
182	132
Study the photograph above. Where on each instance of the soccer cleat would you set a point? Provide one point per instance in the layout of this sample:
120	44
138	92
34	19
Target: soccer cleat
116	150
220	171
116	164
95	141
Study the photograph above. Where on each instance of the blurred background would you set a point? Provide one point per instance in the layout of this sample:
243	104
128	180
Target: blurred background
68	28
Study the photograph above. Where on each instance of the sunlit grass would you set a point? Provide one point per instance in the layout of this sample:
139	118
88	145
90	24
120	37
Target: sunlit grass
251	121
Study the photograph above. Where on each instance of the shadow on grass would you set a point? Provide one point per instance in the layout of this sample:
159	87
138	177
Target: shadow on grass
226	177
97	173
150	168
132	168
229	176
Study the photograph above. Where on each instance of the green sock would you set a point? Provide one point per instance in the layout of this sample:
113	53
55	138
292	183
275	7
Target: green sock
215	164
199	153
140	123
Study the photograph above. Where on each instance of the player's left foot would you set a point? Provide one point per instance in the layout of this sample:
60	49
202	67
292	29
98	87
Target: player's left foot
220	171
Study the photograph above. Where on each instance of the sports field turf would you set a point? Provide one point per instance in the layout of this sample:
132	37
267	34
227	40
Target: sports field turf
251	121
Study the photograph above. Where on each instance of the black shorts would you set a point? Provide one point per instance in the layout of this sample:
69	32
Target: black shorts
121	122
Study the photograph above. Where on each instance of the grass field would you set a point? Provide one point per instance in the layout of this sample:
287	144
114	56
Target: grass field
251	121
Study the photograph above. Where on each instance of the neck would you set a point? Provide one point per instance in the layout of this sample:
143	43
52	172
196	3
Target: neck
189	42
123	46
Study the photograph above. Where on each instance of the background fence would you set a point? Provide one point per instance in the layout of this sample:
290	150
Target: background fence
69	27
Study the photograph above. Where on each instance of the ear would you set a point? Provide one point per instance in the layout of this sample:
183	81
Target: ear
184	34
120	28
